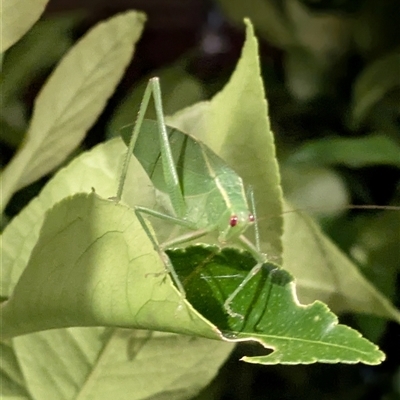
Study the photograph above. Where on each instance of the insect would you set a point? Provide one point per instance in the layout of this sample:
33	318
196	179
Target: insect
204	193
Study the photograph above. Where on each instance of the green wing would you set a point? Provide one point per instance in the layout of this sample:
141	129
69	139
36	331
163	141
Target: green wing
212	190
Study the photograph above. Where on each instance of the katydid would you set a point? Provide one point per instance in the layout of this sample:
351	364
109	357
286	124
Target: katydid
205	194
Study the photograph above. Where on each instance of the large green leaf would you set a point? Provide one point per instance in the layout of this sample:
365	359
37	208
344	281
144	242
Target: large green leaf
17	17
235	125
72	99
93	264
99	363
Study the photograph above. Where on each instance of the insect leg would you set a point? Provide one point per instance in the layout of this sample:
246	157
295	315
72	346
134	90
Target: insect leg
135	133
167	262
254	212
228	301
174	242
169	168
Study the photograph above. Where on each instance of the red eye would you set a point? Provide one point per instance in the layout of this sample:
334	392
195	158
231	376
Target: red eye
251	218
233	221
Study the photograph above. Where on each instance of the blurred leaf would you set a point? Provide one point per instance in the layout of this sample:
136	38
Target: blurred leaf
384	116
16	18
24	62
36	52
179	90
374	149
12	123
118	364
377	250
235	125
320	191
305	74
72	99
375	82
311	65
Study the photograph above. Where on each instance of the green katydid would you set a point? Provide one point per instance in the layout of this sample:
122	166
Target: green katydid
205	194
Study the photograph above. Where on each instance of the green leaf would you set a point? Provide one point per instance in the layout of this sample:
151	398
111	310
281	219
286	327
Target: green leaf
101	363
325	273
272	314
320	191
16	18
98	169
235	125
373	84
11	379
72	99
36	52
374	149
377	245
93	265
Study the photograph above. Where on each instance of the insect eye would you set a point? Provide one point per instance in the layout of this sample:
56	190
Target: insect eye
251	218
233	221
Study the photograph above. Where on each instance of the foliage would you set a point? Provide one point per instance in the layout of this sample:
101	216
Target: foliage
72	260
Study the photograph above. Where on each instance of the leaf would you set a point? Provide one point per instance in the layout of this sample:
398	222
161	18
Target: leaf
94	265
272	314
36	52
98	169
100	363
325	273
320	191
375	82
377	245
16	18
11	379
235	125
374	149
73	97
